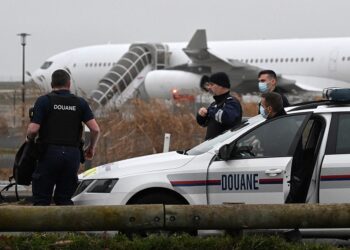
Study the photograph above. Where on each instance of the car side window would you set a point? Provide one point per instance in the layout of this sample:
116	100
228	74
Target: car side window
272	139
342	145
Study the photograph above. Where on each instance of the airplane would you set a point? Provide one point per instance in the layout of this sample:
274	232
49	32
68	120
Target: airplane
117	72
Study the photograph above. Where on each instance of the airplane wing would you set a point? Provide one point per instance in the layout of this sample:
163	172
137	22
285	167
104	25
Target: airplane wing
243	76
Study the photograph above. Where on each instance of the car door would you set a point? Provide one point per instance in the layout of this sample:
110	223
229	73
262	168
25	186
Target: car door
259	163
334	182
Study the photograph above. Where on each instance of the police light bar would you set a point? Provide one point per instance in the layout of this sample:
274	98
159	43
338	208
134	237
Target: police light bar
337	94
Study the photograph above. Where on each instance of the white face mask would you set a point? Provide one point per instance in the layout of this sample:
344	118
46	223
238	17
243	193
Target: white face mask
263	88
263	112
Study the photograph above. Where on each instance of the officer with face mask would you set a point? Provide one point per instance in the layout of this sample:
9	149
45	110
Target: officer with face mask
268	84
272	105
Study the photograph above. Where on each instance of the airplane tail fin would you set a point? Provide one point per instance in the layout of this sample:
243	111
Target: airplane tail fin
198	41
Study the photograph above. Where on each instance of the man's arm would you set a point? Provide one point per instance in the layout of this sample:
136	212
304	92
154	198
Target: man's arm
32	131
94	136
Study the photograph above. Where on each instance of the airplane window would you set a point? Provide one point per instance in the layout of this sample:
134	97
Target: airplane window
301	59
286	59
266	60
251	60
296	59
312	59
74	65
261	60
95	64
276	60
46	65
307	59
256	60
343	58
348	58
246	60
100	64
91	64
281	60
291	60
271	60
109	64
104	64
86	65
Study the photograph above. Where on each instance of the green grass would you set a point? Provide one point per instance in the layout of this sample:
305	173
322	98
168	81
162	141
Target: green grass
92	241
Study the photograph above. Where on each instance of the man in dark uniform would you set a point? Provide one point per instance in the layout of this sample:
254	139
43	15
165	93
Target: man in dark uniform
57	120
267	84
225	112
272	104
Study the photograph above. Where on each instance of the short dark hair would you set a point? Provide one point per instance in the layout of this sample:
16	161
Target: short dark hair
274	100
268	72
60	78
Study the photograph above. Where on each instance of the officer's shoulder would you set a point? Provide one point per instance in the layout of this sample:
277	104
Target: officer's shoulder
231	99
43	98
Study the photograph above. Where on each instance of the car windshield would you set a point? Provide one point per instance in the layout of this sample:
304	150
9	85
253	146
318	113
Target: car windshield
206	145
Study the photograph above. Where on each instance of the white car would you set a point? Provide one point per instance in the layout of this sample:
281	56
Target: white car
301	157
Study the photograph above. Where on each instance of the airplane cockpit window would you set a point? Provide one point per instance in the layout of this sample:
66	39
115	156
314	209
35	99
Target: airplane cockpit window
46	65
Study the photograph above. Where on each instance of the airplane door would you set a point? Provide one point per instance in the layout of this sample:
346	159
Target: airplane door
259	165
333	57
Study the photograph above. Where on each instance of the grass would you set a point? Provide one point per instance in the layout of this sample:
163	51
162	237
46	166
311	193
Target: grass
104	241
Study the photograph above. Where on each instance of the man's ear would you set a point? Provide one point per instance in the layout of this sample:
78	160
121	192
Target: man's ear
269	109
273	81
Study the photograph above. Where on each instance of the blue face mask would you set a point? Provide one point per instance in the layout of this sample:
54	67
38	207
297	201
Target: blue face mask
263	112
263	88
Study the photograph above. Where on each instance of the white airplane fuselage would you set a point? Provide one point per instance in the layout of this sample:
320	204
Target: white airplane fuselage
313	62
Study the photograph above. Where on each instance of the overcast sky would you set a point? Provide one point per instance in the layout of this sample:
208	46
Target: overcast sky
59	25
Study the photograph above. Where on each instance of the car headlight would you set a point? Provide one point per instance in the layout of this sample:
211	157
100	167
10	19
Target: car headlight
102	186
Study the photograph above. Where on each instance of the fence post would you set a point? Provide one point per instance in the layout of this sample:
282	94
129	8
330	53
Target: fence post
166	145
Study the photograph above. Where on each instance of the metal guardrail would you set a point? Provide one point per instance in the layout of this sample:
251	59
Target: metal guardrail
173	217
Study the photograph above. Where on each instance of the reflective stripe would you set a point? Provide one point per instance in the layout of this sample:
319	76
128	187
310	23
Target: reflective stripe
218	115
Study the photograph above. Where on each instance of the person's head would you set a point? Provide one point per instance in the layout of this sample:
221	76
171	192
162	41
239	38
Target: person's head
267	81
60	79
272	103
219	83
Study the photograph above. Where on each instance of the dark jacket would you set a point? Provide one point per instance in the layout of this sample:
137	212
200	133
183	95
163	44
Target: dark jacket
222	115
284	98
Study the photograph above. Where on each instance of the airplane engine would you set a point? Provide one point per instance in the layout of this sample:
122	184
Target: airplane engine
164	83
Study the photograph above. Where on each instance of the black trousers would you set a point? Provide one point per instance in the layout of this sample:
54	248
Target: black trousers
56	174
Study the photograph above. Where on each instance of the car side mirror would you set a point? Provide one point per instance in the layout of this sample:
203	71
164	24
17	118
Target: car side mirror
225	152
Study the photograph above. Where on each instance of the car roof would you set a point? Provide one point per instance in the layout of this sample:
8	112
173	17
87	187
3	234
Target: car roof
321	106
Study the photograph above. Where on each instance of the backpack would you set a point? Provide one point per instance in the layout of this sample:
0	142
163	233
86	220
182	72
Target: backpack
23	167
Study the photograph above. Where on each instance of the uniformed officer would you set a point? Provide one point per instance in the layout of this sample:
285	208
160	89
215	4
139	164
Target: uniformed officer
57	120
225	112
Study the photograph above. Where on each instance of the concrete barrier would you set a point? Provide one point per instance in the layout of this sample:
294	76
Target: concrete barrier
80	218
254	216
173	217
